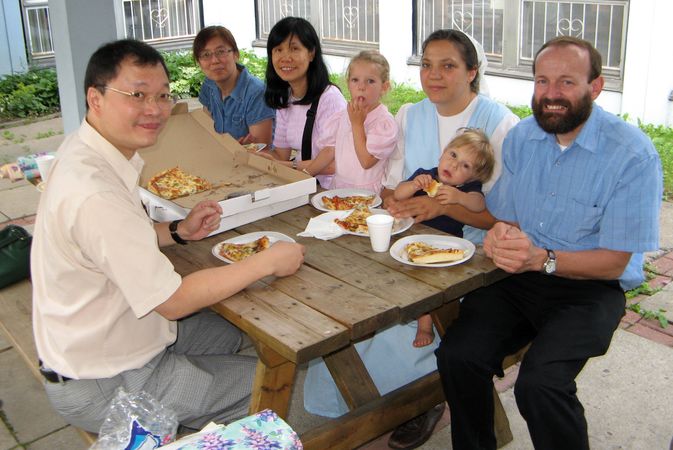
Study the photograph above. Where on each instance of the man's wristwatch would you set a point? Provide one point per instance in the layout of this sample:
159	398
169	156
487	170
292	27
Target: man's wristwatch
173	228
549	266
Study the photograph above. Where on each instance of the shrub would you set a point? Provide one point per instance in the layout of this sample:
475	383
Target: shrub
32	94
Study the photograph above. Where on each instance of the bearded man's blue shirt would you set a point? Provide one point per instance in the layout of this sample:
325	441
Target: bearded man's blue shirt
603	191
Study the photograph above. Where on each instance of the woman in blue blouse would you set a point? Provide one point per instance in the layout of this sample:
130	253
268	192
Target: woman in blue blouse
230	94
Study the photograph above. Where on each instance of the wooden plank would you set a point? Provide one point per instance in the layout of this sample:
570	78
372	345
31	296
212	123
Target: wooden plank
287	326
359	311
350	259
351	377
272	386
377	417
444	316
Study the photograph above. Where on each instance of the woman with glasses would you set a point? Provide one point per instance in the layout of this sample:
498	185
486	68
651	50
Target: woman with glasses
298	86
230	94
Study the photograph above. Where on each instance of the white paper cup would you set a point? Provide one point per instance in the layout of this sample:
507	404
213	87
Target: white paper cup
380	228
44	163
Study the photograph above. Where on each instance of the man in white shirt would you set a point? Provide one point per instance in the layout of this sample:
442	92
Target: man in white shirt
109	309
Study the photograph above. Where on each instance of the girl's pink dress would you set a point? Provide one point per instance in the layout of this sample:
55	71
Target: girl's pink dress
381	131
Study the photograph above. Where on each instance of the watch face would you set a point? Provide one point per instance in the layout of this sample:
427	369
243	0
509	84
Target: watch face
550	266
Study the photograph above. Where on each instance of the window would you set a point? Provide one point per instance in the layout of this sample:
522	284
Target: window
164	23
344	26
511	31
154	20
37	28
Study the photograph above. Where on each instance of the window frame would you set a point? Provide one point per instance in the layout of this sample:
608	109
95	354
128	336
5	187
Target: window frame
334	47
511	65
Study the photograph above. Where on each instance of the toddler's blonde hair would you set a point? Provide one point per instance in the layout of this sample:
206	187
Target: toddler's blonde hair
479	145
374	57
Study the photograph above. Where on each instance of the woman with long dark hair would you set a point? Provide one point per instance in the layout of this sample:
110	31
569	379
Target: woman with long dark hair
297	80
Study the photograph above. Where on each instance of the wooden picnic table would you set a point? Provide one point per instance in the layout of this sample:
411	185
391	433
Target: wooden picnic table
342	294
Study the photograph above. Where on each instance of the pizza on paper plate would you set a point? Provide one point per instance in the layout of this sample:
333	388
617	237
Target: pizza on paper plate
355	222
433	189
175	182
422	253
343	203
238	252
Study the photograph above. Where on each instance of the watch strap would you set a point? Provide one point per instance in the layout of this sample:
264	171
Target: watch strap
173	228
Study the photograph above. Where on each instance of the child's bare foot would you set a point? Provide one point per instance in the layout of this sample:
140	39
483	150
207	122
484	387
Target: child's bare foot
424	333
423	338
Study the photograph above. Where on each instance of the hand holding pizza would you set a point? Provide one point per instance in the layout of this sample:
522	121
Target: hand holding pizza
283	258
510	248
423	181
203	219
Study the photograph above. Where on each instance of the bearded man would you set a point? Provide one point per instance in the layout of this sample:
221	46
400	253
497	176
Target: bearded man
576	205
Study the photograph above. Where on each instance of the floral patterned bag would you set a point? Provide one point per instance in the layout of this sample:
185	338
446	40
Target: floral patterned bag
261	431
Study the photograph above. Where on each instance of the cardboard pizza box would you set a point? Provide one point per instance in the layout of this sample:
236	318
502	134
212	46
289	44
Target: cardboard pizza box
247	186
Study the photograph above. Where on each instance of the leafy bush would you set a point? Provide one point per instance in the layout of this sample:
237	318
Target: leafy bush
32	94
185	75
662	138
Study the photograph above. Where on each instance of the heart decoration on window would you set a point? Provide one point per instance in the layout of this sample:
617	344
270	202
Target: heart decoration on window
159	17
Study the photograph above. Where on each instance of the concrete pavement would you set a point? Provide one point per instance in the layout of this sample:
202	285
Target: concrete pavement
626	393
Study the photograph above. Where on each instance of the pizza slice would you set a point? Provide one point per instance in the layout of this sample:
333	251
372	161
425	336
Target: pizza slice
433	189
175	182
344	203
422	253
356	222
238	252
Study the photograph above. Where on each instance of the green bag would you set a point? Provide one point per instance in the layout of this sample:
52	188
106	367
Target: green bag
14	254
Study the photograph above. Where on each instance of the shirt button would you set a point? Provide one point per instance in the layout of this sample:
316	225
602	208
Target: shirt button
557	163
553	194
541	223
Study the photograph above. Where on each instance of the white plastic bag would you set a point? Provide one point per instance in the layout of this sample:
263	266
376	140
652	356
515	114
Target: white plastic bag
136	422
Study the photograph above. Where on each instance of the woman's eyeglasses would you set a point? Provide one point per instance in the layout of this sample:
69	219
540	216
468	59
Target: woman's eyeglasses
220	53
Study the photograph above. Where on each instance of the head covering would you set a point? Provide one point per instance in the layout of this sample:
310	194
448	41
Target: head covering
483	64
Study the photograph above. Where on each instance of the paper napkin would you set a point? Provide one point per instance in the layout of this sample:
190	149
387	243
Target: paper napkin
323	227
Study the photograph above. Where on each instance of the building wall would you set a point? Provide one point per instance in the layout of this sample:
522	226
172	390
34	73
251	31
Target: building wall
12	45
648	78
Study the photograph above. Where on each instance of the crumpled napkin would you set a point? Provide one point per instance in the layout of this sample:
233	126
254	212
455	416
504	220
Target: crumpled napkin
323	226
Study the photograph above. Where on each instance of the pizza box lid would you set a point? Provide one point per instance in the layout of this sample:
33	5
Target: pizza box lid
241	180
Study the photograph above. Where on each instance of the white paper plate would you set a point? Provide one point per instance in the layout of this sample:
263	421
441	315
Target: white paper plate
398	253
316	200
272	235
399	226
255	147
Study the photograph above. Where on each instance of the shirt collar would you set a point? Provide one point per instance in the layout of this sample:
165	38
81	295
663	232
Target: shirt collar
241	84
127	170
586	139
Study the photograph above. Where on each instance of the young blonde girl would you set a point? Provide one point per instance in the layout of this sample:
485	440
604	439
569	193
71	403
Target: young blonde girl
358	141
466	163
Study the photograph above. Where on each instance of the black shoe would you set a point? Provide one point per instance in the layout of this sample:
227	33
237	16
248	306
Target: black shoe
414	433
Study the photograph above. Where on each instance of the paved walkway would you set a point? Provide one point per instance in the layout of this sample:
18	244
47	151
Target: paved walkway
626	393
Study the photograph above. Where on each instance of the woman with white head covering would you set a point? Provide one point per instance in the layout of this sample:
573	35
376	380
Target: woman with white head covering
483	65
451	77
